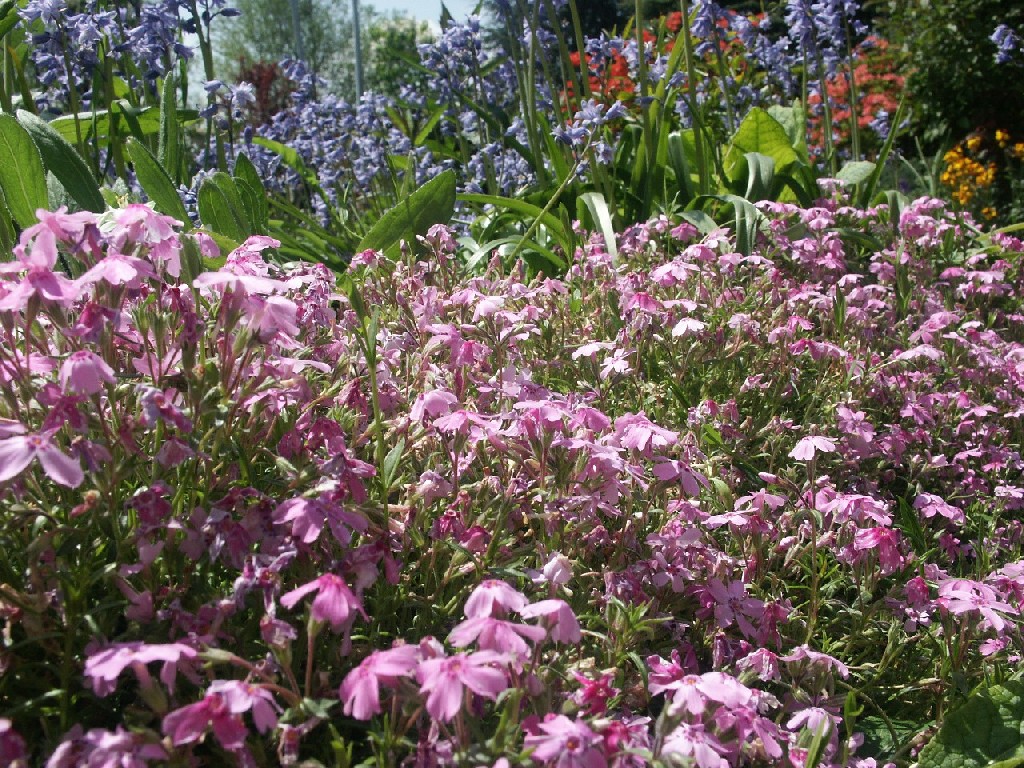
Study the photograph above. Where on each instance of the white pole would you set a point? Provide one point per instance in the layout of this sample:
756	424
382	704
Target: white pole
359	49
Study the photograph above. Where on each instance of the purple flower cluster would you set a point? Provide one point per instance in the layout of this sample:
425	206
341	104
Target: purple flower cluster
69	45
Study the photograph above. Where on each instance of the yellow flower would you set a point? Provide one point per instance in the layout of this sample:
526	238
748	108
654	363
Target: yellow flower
1002	137
988	212
974	143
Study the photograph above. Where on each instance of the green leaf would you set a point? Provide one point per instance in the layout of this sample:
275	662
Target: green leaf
155	182
22	177
433	203
856	172
246	172
8	16
61	159
549	220
146	119
762	133
746	219
221	209
794	120
760	176
169	147
602	218
985	731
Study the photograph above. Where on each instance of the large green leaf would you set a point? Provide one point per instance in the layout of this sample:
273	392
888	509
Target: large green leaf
433	203
221	209
856	172
248	178
762	133
988	730
61	159
155	181
22	177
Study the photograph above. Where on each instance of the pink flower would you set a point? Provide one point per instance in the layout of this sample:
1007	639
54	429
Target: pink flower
105	666
360	690
733	605
693	741
85	373
19	451
566	743
884	541
491	634
595	693
493	596
334	603
308	517
930	505
808	446
221	711
640	433
959	596
559	618
817	658
12	746
444	681
105	749
39	280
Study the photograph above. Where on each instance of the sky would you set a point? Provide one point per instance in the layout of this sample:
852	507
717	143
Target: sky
425	10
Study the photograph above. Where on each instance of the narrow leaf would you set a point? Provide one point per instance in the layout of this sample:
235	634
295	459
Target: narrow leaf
156	183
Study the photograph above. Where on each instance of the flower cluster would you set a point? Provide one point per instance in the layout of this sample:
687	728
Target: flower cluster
670	507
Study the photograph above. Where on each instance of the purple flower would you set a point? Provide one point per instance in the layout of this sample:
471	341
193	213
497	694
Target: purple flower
334	604
360	691
85	373
105	666
17	452
445	679
221	711
566	743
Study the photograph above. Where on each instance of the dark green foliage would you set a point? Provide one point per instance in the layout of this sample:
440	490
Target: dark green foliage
956	85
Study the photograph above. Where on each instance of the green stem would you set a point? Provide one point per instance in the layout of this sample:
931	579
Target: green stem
551	202
704	181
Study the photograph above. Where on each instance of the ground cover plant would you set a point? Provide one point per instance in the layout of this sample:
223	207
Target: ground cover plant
618	418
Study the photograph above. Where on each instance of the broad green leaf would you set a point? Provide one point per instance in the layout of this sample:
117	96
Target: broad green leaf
6	226
987	730
221	209
61	159
155	182
246	172
433	203
856	172
746	219
760	132
22	177
794	119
